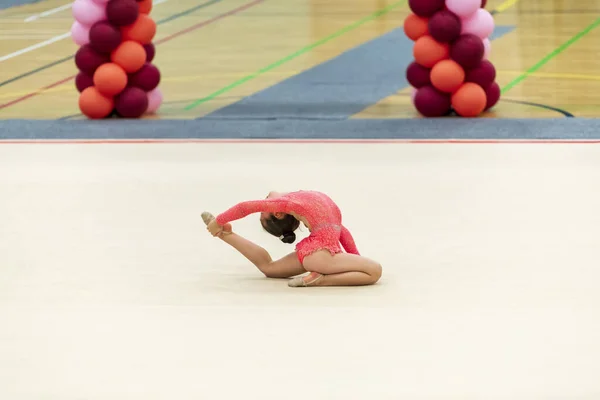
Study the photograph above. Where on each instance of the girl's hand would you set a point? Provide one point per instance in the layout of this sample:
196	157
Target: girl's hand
214	228
218	230
226	229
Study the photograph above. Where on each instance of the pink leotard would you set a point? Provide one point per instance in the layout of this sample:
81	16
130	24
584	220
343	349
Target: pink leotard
321	213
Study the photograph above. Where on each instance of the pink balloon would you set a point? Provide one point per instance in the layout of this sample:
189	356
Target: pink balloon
155	99
463	8
103	2
80	33
413	93
480	24
88	12
487	46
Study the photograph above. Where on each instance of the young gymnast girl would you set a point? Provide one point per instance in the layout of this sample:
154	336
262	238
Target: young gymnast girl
319	254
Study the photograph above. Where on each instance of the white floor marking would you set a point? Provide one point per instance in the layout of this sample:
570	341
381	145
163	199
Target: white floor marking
66	7
49	12
51	40
35	46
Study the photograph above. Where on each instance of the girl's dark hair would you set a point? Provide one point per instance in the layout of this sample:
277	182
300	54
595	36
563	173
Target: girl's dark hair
282	228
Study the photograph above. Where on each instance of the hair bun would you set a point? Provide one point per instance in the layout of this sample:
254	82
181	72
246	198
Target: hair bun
288	237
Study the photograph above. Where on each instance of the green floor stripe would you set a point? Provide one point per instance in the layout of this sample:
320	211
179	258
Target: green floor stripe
550	56
298	53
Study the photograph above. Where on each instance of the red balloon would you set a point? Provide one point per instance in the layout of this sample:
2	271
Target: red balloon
150	52
83	81
483	74
483	3
467	51
104	37
430	102
493	95
122	12
147	78
444	26
425	8
417	75
131	103
88	60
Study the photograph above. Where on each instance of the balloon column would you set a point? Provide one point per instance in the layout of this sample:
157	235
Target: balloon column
116	74
451	70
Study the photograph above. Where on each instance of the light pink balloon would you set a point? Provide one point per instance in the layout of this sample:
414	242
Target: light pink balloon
80	33
88	12
463	8
487	45
480	24
155	99
413	93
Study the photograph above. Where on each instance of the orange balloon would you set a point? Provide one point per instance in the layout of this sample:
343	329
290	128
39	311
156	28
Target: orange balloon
415	26
94	104
469	100
110	79
428	52
447	76
142	30
145	6
130	56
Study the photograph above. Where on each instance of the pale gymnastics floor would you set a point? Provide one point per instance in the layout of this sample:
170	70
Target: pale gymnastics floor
111	289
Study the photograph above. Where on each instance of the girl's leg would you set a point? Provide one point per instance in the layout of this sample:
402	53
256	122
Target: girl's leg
285	267
340	269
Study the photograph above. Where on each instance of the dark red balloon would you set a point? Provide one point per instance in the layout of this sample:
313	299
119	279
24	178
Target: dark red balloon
83	81
150	52
430	102
88	60
425	8
131	103
483	3
444	26
417	75
104	37
147	78
122	12
467	50
493	95
483	74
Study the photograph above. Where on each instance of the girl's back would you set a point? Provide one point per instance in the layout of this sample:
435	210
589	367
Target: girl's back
317	206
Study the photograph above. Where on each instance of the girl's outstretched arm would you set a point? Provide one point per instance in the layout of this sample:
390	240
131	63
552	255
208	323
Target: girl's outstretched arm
285	267
245	208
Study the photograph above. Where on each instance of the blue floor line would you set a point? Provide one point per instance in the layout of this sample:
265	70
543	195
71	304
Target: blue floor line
6	4
434	128
338	88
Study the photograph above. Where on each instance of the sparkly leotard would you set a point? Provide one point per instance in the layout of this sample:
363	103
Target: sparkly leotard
321	213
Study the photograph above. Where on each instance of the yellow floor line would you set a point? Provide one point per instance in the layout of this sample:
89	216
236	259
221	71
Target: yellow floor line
505	5
559	75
